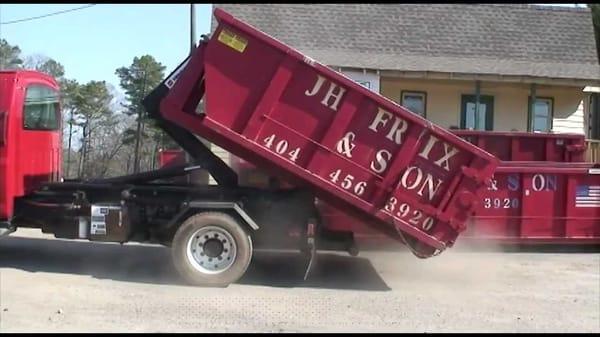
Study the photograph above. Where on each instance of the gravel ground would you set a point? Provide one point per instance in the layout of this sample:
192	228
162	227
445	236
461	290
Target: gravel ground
50	285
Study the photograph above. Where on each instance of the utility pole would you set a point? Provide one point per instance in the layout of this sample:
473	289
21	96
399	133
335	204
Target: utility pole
202	176
192	46
192	27
139	131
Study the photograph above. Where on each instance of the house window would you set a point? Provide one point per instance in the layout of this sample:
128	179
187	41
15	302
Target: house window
540	120
365	84
41	109
485	117
414	101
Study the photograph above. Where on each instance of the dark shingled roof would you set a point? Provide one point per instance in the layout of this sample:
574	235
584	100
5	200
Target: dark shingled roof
507	39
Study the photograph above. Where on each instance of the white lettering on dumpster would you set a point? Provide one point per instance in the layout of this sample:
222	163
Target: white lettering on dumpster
382	158
381	162
501	203
404	211
420	181
544	182
442	162
281	147
335	91
398	128
493	186
395	129
348	182
345	145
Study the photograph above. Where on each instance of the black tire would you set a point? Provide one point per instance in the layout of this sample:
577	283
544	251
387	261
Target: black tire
195	276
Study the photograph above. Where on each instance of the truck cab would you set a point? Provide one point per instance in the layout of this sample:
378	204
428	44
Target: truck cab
30	136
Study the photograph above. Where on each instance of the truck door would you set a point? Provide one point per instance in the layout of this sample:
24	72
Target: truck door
7	92
3	167
39	146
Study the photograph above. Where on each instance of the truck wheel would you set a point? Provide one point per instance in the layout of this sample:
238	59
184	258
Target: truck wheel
211	249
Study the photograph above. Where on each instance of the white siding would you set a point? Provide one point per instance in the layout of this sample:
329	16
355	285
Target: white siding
573	123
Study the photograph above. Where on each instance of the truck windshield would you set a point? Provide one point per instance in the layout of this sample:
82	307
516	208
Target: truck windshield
41	108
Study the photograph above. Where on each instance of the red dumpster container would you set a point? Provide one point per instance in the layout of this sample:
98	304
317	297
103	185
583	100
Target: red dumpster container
286	113
540	202
167	158
527	146
528	202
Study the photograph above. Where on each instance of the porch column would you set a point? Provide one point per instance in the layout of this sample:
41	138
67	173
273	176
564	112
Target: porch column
477	98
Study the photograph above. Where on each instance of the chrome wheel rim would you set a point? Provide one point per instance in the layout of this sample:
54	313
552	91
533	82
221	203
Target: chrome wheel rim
211	250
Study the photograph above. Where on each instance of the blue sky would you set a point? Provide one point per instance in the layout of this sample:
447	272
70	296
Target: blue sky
92	42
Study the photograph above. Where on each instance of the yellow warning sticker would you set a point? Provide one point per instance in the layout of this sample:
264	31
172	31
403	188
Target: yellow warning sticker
232	40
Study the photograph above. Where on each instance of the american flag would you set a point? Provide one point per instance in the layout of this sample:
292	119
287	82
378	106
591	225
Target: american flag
587	196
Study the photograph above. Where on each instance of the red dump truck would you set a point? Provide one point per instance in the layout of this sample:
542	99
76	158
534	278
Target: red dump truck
279	110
